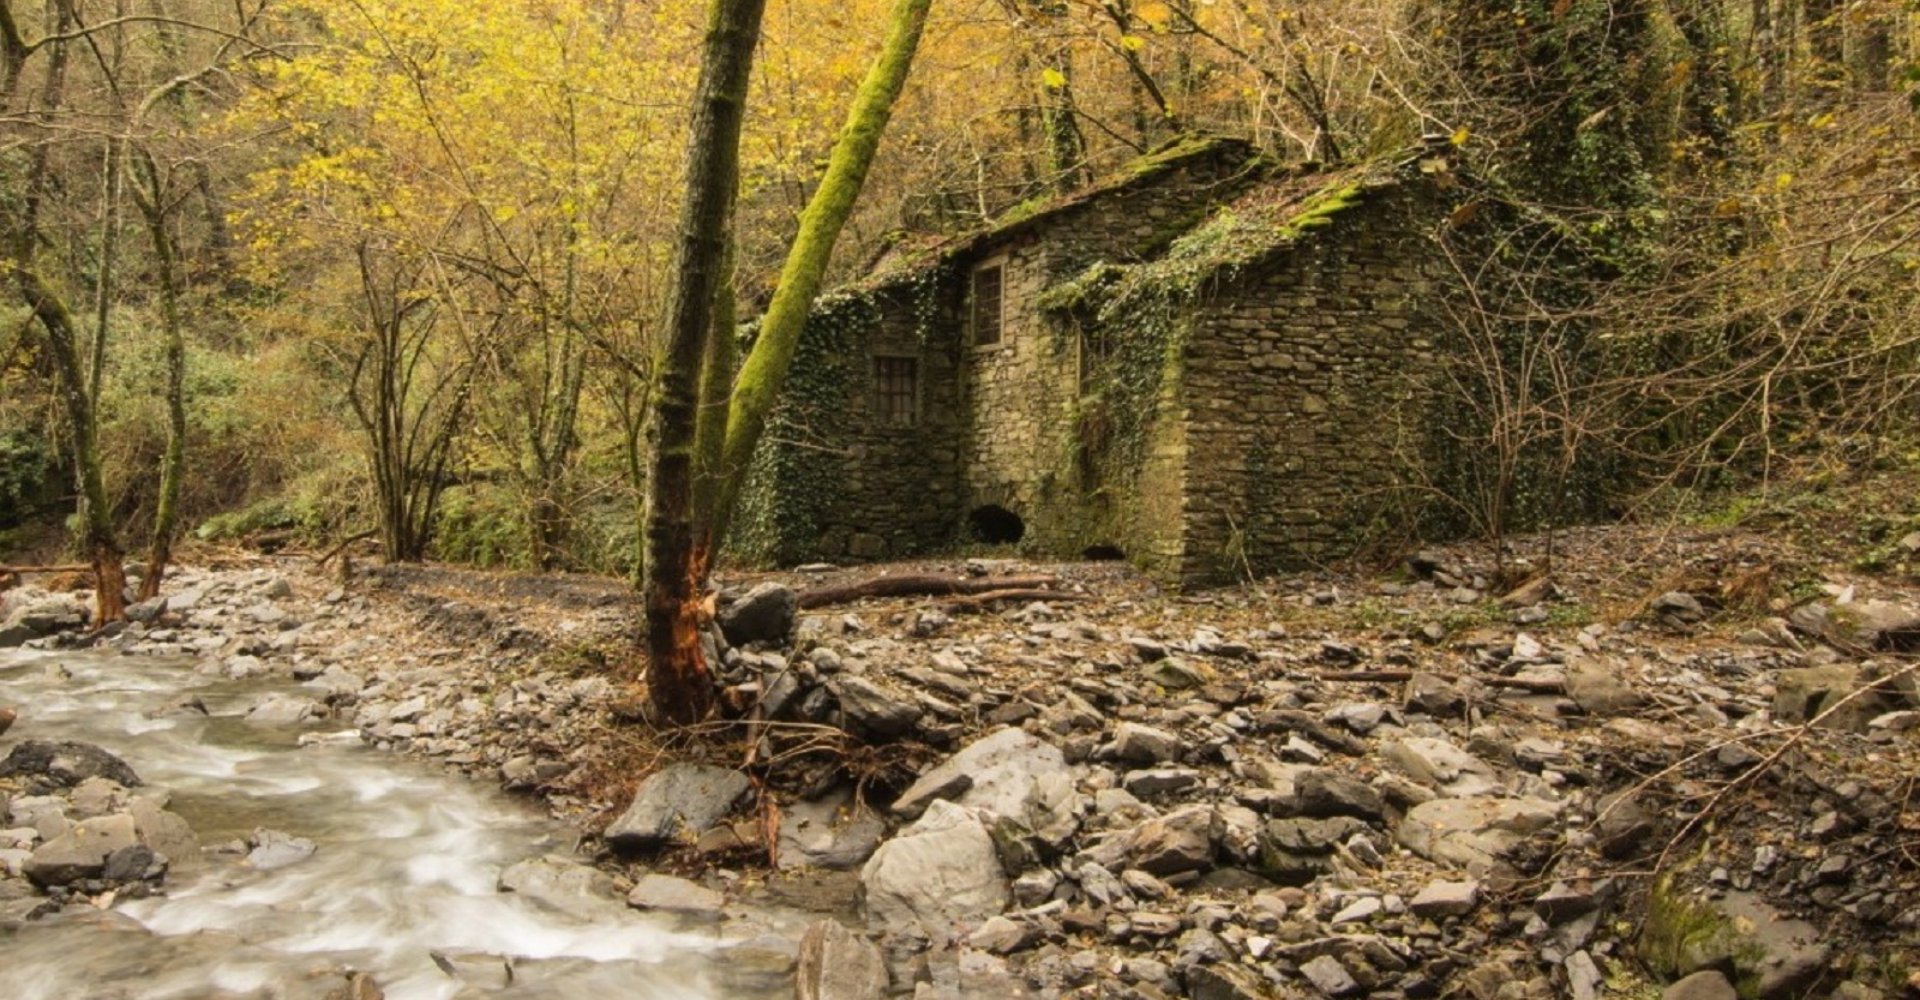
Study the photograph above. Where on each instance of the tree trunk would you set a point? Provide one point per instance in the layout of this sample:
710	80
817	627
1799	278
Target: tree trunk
765	369
153	208
678	681
96	519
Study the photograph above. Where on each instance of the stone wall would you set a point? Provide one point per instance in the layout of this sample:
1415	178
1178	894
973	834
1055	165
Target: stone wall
836	482
1305	387
1021	395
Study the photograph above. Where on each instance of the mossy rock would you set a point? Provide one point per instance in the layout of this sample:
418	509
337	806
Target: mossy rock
1766	954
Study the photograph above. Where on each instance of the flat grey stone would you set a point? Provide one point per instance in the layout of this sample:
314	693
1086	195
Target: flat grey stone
679	800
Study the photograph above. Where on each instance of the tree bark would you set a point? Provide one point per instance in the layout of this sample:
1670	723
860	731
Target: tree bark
765	369
153	209
679	683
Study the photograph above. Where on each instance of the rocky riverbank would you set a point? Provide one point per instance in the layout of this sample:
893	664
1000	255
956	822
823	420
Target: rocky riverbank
1681	764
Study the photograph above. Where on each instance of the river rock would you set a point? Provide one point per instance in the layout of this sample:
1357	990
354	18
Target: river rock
49	764
1441	765
1181	841
559	882
1330	977
677	896
1812	692
835	832
133	863
1140	744
941	871
359	986
96	797
7	716
1475	833
1325	792
872	709
1597	688
81	852
1220	981
1442	899
838	964
679	800
285	710
1687	932
1708	984
763	614
995	773
165	832
273	849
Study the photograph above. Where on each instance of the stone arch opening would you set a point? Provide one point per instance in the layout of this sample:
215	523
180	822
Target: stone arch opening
995	525
1103	552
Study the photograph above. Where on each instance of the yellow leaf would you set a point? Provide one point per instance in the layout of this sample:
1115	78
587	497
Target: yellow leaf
1053	78
1783	182
1460	137
1132	43
1159	15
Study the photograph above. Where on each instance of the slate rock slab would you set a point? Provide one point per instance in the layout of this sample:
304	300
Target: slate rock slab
684	799
939	872
763	614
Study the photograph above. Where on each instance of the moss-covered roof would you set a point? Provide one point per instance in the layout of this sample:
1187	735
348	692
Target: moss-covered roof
905	261
1265	221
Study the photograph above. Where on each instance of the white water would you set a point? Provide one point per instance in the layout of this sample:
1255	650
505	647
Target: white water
407	865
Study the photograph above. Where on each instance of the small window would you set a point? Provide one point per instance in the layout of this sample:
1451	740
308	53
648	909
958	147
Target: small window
987	285
895	390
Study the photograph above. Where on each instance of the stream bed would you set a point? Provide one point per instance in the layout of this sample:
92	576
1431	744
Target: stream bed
403	884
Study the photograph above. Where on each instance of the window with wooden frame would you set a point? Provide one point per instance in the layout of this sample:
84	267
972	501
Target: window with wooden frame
896	391
989	283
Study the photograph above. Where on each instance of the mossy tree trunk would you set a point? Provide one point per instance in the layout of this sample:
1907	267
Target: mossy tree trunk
765	370
151	198
699	462
20	232
678	680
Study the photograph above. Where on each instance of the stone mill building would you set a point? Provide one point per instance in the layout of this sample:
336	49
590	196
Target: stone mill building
1211	366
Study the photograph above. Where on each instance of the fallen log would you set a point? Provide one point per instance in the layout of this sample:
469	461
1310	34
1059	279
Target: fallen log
974	602
918	585
1400	676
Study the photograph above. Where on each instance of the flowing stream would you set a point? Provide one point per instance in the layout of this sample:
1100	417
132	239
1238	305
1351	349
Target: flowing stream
407	866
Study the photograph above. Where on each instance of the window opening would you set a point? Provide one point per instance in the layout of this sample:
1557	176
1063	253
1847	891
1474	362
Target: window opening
895	390
988	285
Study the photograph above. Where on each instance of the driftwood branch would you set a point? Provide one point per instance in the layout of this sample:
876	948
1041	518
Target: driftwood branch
974	602
922	585
344	542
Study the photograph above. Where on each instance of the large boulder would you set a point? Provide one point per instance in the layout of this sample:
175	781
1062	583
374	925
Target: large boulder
51	764
939	872
995	773
680	800
81	852
1830	694
763	614
1477	833
1770	956
838	964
